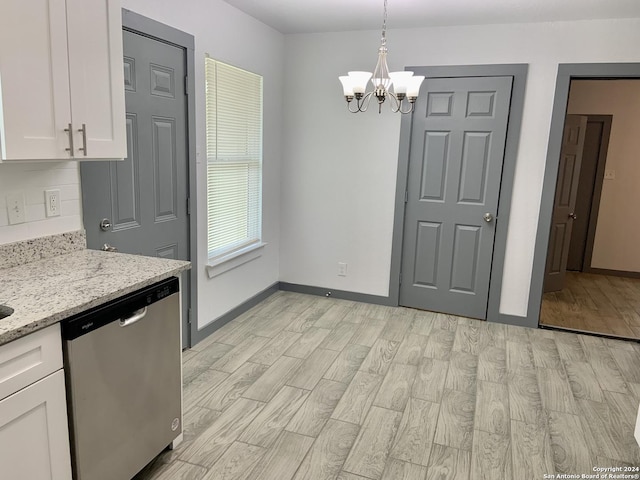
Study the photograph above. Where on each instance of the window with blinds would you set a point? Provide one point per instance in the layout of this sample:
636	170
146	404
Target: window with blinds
234	159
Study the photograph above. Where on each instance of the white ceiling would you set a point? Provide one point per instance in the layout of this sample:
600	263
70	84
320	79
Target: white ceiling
308	16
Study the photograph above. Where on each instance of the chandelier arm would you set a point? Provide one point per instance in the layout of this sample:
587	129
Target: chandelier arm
398	103
411	108
354	111
363	103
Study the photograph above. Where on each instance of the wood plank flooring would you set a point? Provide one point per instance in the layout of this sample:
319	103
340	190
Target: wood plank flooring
595	303
312	388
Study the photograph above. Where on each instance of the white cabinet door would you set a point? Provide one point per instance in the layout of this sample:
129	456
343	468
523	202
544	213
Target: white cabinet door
61	65
28	359
34	438
97	78
34	80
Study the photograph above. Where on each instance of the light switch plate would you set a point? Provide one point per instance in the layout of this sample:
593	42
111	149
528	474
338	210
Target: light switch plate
16	208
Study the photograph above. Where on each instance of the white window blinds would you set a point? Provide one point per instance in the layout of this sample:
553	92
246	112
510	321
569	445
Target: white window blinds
234	158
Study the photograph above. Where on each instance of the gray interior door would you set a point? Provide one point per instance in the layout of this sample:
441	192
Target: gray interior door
564	204
594	155
455	167
144	197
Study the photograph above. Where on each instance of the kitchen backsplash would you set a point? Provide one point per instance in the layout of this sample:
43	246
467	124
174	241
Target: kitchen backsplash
31	180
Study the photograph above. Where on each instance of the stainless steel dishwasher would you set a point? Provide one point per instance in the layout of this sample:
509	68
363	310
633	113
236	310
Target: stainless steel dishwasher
122	368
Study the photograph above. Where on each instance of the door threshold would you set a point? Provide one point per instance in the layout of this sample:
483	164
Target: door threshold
588	332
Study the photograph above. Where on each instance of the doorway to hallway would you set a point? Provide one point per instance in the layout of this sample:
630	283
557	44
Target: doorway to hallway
592	274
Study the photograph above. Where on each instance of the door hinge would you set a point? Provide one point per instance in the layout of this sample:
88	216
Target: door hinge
400	278
406	196
188	205
186	85
189	316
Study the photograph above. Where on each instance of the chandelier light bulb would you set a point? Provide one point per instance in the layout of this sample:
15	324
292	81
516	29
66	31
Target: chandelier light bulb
347	85
413	87
400	81
359	81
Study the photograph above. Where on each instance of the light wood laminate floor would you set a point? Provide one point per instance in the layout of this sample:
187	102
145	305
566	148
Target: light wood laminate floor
595	303
303	387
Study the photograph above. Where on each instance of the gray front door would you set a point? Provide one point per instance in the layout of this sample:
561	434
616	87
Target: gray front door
144	197
575	127
455	167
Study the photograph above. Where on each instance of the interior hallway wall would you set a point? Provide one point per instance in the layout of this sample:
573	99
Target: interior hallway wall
617	240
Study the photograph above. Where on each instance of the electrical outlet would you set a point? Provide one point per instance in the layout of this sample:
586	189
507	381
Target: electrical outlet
52	202
342	269
16	208
609	174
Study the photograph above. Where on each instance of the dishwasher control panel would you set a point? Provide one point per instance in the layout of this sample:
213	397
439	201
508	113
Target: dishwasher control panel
117	309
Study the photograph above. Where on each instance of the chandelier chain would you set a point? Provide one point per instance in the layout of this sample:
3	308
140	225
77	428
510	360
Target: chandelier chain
384	25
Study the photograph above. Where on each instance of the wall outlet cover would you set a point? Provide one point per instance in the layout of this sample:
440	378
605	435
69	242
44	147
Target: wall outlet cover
342	269
52	203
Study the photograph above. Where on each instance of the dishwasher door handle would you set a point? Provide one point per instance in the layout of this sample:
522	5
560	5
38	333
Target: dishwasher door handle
136	317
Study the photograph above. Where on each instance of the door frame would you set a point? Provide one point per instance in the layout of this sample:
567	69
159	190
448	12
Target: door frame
566	73
136	23
519	74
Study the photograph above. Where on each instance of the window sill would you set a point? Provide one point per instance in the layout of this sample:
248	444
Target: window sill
229	262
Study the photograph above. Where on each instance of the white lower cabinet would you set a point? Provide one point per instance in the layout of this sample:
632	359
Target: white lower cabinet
34	433
34	438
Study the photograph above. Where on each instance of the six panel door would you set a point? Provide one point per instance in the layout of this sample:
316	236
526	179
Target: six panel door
144	197
564	203
455	167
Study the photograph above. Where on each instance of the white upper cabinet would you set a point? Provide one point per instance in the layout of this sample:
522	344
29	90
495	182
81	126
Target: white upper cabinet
61	80
97	78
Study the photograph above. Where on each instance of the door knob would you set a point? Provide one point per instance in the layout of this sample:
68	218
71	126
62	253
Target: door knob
573	215
105	224
487	217
108	248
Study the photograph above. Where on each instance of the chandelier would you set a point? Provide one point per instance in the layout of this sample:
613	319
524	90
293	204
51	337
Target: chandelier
406	86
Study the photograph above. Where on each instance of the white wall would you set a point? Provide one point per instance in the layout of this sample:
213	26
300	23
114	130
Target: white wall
233	37
618	231
33	179
339	169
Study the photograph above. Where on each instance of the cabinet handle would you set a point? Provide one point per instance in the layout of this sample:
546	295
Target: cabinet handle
83	130
69	131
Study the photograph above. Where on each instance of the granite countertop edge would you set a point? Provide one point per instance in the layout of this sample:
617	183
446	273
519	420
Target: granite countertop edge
126	274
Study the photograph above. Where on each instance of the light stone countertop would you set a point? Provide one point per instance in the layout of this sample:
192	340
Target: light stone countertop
47	291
